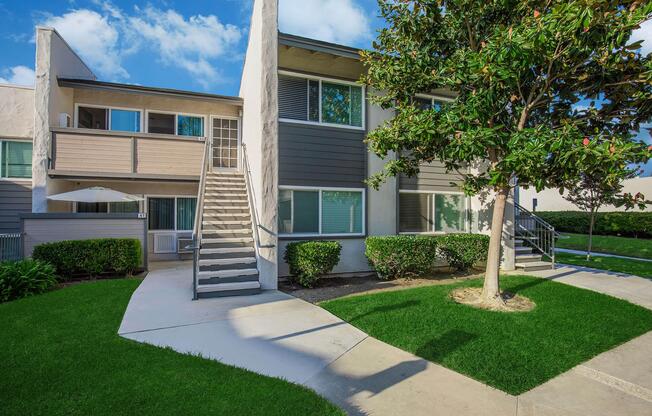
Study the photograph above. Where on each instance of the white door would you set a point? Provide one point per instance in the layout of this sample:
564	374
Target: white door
225	143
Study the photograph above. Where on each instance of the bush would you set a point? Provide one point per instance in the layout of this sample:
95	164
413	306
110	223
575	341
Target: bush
22	278
309	260
91	257
401	255
462	251
625	224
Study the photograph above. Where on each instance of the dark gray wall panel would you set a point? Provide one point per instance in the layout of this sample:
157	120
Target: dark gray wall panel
432	177
15	198
321	156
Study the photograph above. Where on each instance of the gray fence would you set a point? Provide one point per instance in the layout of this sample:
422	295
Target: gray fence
10	246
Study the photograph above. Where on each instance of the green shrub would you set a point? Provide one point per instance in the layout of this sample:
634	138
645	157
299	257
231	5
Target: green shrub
625	224
309	260
22	278
91	257
462	251
401	255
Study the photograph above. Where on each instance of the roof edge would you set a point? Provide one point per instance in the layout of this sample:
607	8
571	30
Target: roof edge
318	45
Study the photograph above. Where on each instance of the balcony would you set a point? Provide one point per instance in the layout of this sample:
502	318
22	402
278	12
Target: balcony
85	153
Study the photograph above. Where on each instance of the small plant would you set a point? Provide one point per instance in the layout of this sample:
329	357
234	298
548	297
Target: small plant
462	251
22	278
401	255
309	260
91	257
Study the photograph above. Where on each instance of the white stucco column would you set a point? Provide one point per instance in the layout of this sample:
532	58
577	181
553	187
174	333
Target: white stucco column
41	146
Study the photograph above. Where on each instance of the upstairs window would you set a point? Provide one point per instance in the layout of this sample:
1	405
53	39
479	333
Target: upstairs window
323	101
105	118
15	159
171	123
427	102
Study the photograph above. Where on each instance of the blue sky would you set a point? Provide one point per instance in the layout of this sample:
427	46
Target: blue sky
185	44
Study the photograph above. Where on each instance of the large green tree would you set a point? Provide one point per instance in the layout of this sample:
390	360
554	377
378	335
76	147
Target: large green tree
517	70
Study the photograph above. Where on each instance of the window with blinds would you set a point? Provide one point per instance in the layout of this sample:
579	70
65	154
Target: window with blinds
421	212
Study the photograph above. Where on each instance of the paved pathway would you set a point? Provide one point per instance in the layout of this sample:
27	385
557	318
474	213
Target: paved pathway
593	253
281	336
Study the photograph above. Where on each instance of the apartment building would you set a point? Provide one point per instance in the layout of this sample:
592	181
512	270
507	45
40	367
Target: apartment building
284	161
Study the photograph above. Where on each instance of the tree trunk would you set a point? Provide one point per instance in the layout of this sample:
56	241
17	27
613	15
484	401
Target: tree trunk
491	288
590	246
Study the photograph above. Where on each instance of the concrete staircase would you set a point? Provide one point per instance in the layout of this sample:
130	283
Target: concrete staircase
227	257
527	258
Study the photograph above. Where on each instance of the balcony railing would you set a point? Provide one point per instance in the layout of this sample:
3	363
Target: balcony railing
101	153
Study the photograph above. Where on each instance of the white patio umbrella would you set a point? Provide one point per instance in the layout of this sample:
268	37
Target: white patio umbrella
95	194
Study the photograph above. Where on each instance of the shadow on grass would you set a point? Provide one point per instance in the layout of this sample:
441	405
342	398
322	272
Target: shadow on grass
386	308
439	348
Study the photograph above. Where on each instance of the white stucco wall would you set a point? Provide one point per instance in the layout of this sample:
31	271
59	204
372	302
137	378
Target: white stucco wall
16	112
54	58
552	200
258	88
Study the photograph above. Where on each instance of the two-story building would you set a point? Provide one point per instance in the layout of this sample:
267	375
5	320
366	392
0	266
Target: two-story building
284	161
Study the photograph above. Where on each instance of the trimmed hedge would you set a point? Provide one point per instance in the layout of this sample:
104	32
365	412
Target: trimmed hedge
22	278
91	257
462	251
625	224
401	255
414	255
310	260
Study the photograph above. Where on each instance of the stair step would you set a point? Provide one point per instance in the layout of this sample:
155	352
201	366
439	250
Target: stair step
227	222
227	240
231	207
227	215
237	260
523	249
534	265
228	289
213	200
528	258
226	273
217	280
226	250
220	195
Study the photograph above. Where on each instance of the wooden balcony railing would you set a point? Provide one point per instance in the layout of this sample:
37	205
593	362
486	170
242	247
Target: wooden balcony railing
101	153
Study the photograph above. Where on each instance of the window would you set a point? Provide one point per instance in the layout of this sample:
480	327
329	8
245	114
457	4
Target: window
108	207
320	101
421	212
190	126
321	211
427	102
114	119
161	123
125	120
15	159
92	118
171	213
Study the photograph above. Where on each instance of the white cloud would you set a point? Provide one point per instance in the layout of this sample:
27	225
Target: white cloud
339	21
105	37
187	43
644	33
95	38
19	75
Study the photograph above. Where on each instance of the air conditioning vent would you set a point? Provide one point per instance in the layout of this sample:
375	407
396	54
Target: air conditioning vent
183	243
165	243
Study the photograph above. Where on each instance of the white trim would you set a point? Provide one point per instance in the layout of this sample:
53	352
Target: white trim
431	210
435	97
320	190
321	79
108	115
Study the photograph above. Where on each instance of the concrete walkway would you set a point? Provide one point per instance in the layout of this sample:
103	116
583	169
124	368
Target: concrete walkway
593	253
281	336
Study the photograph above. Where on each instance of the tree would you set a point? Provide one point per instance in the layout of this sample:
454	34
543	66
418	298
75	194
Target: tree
517	69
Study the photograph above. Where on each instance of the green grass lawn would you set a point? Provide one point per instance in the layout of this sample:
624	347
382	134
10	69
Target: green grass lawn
613	264
510	351
622	246
61	355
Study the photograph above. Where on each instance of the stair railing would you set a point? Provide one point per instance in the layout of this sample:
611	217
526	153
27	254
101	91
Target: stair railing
199	215
538	233
252	203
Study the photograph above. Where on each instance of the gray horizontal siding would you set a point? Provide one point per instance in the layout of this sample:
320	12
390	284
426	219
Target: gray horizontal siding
431	177
15	198
321	156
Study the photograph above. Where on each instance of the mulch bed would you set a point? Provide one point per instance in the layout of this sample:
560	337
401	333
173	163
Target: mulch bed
337	286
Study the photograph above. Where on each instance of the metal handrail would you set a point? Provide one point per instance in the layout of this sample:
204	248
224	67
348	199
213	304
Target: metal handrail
536	231
252	201
199	216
